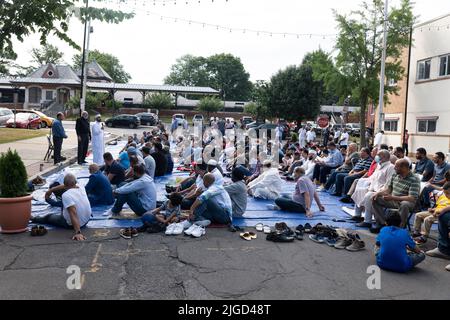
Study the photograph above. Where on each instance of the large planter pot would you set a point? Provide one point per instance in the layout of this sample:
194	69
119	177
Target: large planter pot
15	214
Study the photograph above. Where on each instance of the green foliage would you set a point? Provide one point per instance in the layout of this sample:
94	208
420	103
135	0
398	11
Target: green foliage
209	104
13	175
114	105
221	71
294	137
46	54
159	101
93	100
20	18
360	45
260	96
111	64
294	94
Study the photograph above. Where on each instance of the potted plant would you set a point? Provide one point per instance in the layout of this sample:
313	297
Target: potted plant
15	202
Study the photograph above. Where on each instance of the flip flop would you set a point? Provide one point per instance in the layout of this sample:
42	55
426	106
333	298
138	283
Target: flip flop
267	229
259	227
246	236
252	235
126	233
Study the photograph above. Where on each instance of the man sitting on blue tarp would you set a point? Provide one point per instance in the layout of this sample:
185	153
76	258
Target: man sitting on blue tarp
98	189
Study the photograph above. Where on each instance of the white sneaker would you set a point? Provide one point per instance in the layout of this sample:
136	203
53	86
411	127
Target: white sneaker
198	232
191	229
177	229
170	228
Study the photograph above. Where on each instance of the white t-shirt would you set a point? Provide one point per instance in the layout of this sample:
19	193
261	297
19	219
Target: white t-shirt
378	139
310	136
218	178
344	139
77	197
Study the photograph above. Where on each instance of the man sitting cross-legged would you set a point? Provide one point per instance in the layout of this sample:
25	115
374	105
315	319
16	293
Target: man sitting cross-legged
76	210
139	194
99	189
214	204
304	193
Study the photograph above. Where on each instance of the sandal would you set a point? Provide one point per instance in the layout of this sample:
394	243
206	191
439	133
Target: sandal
126	233
252	235
42	231
34	231
267	229
246	236
307	228
298	235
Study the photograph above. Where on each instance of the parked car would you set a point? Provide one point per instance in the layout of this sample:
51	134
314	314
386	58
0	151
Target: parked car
46	121
354	129
25	120
253	125
148	119
5	115
123	120
246	120
179	116
197	119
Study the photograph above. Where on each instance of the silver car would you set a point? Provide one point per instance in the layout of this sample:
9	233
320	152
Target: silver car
5	115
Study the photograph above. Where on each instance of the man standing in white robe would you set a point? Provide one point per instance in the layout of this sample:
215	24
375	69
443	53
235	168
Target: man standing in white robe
98	143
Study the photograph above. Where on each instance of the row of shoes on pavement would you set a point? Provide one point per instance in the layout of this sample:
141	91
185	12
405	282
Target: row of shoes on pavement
337	238
283	233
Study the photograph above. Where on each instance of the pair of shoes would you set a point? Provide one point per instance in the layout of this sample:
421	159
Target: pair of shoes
299	232
364	225
436	253
276	236
128	233
38	231
323	234
281	227
248	236
174	229
263	228
346	199
351	243
195	231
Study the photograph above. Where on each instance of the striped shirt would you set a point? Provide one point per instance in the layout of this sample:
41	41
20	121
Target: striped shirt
363	164
401	187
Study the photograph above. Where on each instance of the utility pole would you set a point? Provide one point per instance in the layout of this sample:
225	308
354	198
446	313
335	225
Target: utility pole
83	60
383	68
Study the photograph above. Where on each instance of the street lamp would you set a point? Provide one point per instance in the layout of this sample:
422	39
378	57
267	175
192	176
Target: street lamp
383	67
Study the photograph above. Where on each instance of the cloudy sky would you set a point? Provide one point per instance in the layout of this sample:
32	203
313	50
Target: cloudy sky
147	45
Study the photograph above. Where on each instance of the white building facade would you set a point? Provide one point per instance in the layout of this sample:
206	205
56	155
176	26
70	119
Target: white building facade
428	111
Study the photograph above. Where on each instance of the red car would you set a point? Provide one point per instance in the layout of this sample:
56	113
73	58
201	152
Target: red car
25	121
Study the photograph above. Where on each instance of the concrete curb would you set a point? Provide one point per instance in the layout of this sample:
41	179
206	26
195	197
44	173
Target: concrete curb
66	163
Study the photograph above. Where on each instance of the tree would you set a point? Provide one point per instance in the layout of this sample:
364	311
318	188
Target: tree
46	54
222	71
360	45
93	100
228	74
209	104
189	71
20	18
111	64
159	101
260	96
293	94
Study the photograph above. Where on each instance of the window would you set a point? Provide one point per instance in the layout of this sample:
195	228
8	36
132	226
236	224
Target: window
35	95
391	125
444	68
426	125
49	95
424	68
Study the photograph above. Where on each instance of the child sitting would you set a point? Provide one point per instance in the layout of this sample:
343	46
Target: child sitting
395	250
168	213
430	216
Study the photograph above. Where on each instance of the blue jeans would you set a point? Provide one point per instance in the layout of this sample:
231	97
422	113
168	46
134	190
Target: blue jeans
332	179
54	219
444	241
287	204
211	210
346	184
132	200
149	217
54	203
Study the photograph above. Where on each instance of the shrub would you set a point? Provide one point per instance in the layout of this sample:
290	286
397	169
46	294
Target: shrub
13	175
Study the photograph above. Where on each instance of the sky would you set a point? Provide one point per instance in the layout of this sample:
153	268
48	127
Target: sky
147	46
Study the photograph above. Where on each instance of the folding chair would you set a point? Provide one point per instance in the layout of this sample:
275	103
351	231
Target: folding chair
49	152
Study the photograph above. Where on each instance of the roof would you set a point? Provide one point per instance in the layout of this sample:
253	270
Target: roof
95	71
150	88
432	20
45	81
64	72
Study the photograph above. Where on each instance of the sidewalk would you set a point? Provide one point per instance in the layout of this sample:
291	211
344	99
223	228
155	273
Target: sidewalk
32	151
